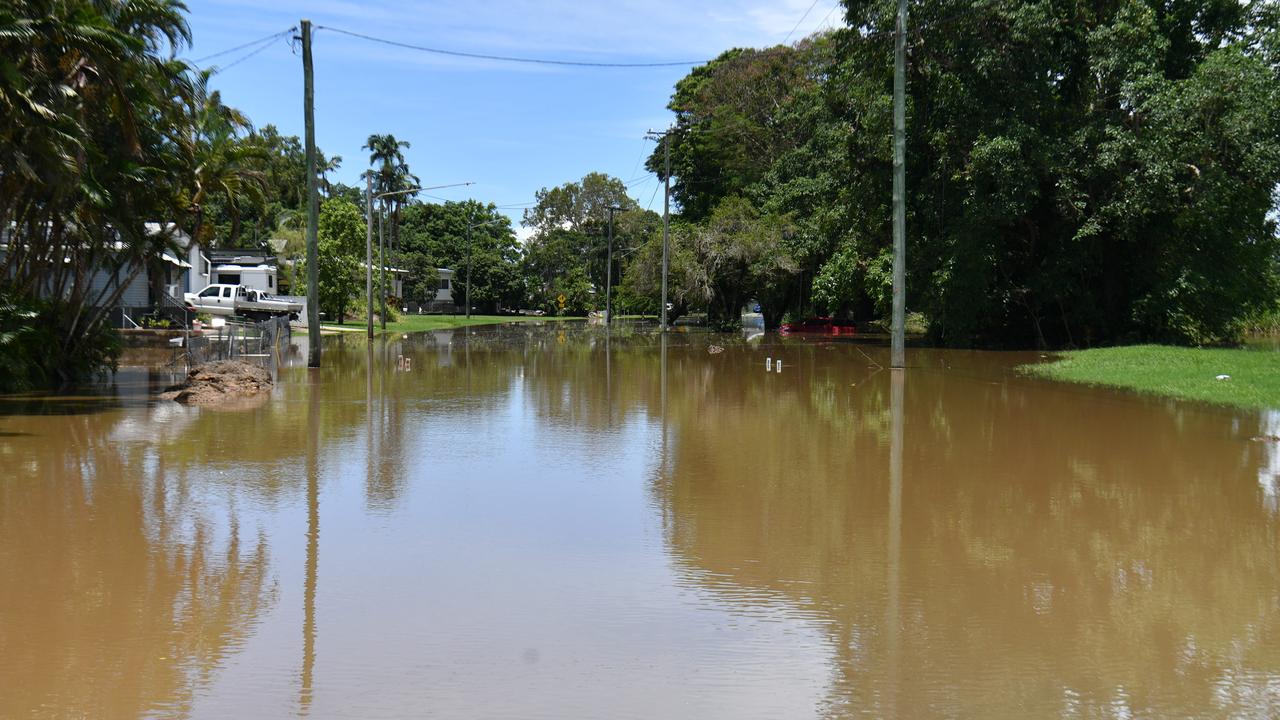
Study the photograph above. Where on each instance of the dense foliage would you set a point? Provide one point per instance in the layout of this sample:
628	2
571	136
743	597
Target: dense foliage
436	236
568	251
93	112
102	131
1078	172
340	248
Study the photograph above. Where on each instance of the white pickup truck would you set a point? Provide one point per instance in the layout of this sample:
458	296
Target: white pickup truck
239	300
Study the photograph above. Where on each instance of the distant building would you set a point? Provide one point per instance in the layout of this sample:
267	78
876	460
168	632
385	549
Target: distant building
444	301
444	291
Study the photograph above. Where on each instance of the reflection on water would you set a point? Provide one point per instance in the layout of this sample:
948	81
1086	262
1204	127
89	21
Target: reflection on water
554	522
120	595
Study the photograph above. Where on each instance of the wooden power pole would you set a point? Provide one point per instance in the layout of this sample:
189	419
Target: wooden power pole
897	354
666	213
313	201
666	220
368	252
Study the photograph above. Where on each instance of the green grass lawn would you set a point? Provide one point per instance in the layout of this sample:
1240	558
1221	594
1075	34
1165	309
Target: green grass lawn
423	323
1185	373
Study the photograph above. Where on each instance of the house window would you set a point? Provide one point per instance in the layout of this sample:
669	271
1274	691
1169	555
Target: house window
271	281
444	283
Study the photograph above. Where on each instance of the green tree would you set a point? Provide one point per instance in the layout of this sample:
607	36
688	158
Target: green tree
732	256
228	166
570	226
93	112
436	236
1078	173
391	174
341	239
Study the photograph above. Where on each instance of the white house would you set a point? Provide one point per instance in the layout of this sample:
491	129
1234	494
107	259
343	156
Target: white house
137	295
444	292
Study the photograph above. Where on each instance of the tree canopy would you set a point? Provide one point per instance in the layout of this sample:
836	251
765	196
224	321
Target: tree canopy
1077	173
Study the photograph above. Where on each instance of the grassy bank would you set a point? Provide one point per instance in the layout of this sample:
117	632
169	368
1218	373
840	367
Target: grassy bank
424	323
1185	373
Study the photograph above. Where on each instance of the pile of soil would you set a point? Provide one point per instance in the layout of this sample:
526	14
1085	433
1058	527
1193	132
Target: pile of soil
217	382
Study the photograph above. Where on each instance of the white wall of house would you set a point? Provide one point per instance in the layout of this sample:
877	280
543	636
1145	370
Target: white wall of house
445	291
198	274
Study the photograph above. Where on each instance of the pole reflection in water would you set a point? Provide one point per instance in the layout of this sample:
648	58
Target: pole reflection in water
313	541
608	375
729	543
663	372
893	619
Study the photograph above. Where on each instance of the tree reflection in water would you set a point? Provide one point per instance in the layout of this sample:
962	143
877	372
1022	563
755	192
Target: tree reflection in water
964	542
120	597
1048	551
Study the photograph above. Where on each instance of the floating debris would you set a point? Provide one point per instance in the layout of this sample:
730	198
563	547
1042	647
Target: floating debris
715	349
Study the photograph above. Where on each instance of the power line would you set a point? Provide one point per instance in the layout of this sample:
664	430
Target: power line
802	17
234	63
251	43
828	17
506	58
652	197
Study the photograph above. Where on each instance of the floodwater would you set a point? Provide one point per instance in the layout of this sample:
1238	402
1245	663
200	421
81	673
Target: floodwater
545	522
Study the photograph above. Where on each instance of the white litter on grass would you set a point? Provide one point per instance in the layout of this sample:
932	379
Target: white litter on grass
1223	377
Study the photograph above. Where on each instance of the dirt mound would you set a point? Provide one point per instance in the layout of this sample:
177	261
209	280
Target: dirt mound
218	382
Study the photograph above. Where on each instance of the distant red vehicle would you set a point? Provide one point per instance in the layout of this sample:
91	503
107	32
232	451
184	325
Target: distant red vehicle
817	326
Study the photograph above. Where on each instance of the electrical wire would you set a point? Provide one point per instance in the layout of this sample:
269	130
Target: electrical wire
652	197
234	63
506	58
251	43
801	20
823	24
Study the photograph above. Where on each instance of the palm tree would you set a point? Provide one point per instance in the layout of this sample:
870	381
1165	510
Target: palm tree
92	112
324	166
385	154
227	167
391	174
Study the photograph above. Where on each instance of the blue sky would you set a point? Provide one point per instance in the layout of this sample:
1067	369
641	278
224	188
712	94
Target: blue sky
511	129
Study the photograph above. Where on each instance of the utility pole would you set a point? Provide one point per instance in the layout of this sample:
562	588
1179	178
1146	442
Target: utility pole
313	210
608	282
493	221
382	270
382	267
666	213
468	297
897	353
368	252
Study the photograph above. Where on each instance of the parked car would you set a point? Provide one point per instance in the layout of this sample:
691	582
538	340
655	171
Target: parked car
254	304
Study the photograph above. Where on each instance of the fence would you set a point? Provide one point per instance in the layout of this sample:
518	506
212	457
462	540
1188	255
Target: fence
260	340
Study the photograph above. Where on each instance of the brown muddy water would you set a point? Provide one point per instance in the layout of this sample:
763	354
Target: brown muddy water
545	522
